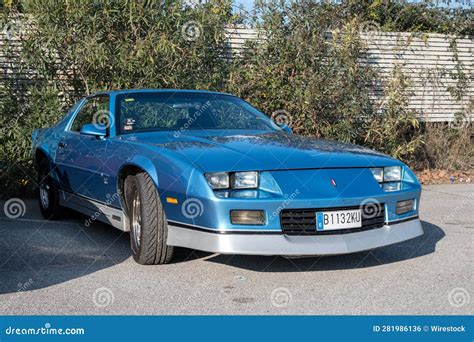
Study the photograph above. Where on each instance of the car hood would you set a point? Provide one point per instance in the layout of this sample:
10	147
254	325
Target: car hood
261	151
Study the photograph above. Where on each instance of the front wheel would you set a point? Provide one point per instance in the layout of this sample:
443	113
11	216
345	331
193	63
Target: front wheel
48	195
148	226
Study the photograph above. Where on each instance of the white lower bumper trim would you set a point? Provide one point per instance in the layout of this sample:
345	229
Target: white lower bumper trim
280	244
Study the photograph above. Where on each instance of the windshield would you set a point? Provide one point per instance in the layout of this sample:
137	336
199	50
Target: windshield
165	111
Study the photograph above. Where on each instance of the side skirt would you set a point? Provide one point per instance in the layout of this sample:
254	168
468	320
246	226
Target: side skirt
95	211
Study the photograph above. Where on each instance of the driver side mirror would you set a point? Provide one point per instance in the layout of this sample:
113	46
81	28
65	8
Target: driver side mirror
96	130
286	129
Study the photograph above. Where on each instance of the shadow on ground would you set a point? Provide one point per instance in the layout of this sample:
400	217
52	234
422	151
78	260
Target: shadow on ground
406	250
35	254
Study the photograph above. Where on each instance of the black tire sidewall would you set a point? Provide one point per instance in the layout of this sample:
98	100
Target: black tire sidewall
153	249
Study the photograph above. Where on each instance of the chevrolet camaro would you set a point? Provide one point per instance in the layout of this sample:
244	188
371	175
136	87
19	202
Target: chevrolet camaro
208	171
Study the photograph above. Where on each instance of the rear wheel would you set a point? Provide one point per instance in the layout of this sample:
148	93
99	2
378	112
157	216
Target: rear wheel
148	226
48	195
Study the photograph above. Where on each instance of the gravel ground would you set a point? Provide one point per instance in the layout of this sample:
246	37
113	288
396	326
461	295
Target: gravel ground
63	267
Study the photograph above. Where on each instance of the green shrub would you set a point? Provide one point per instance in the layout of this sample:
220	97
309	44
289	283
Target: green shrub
320	81
75	48
20	116
395	129
85	46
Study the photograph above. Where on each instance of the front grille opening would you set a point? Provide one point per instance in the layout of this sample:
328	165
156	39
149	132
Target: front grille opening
303	221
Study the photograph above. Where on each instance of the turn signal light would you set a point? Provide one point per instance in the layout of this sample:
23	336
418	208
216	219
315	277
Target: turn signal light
247	217
405	206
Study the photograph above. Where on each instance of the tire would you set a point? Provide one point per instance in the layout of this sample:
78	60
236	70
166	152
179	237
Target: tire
48	194
148	224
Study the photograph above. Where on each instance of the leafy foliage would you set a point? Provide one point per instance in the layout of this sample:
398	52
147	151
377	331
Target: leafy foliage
16	126
446	147
74	48
97	45
443	16
319	80
396	130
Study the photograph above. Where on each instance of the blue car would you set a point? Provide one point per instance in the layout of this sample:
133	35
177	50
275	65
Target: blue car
207	171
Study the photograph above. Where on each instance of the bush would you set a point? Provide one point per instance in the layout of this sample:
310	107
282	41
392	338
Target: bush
314	80
127	44
395	129
20	116
75	48
446	147
317	79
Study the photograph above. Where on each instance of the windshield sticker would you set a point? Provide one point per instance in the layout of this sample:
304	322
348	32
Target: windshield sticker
128	126
129	100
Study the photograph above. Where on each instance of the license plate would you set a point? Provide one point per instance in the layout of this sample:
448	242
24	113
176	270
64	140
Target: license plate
341	219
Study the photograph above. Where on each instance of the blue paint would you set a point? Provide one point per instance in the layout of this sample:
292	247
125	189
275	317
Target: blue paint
295	171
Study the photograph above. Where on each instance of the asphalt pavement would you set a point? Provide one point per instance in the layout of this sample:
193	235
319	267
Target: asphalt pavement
65	267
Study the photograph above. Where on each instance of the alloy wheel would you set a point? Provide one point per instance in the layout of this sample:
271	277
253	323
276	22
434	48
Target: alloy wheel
136	218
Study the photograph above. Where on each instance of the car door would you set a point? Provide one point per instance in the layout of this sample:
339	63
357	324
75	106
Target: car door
81	158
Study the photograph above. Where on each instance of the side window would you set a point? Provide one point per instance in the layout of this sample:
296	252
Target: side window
94	110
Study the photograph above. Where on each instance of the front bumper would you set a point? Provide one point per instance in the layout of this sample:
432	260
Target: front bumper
277	243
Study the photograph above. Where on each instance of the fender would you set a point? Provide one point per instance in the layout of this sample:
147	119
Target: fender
143	163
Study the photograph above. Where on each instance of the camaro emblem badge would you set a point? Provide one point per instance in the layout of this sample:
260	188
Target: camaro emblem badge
333	183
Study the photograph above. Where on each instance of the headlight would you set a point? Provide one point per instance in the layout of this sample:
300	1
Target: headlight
218	180
378	174
235	180
245	180
392	174
387	174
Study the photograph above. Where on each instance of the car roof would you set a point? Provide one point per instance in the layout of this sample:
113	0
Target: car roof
134	91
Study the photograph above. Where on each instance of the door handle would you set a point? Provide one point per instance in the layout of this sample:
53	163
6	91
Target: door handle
62	144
